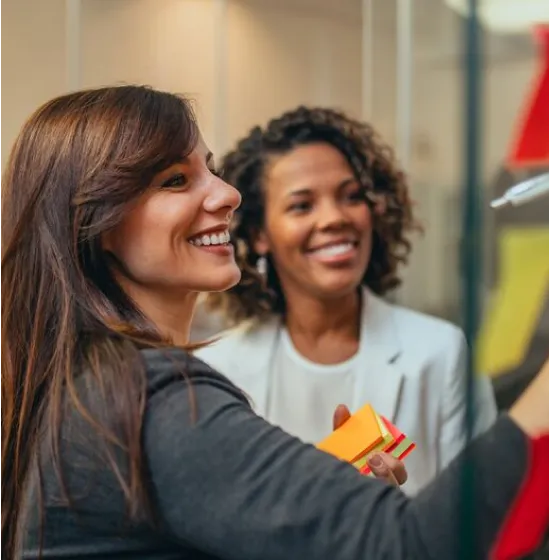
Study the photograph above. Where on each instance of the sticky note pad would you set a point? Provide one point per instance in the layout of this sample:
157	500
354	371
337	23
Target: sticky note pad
388	435
399	446
397	435
354	439
387	442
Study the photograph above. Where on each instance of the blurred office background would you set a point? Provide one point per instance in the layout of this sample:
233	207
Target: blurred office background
396	63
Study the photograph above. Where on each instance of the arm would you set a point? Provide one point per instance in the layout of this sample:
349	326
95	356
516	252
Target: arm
236	487
452	439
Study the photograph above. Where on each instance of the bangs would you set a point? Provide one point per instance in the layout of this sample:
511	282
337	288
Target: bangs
177	132
159	130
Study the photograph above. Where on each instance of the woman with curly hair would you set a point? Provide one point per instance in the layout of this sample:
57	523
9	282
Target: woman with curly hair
321	234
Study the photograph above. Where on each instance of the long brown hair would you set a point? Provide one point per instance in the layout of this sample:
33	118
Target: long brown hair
77	166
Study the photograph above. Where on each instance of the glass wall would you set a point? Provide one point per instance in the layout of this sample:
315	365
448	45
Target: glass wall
515	328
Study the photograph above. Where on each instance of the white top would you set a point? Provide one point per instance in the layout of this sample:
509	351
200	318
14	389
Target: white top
303	391
410	367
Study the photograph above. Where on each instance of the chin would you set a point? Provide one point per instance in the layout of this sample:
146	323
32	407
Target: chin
219	280
338	285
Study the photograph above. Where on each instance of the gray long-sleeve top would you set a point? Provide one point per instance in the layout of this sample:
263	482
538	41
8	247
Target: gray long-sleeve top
231	486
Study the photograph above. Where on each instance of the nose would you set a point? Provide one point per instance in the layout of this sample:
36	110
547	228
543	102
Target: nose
221	197
331	215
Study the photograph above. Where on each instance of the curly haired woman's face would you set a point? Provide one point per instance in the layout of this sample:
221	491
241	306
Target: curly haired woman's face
318	226
175	240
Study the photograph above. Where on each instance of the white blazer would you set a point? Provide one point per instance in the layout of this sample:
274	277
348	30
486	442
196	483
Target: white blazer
414	376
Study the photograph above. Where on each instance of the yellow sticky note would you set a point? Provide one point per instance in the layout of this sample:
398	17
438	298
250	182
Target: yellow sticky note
514	311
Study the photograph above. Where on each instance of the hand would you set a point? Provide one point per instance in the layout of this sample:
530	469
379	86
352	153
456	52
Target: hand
531	411
383	465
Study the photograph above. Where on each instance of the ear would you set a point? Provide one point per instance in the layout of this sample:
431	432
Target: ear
261	244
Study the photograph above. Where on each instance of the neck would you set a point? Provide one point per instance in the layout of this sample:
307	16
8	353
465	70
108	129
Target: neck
309	317
171	314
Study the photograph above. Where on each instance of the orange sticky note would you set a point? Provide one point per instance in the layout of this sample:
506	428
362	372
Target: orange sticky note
359	434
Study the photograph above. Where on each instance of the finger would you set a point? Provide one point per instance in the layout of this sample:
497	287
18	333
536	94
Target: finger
341	415
382	470
396	467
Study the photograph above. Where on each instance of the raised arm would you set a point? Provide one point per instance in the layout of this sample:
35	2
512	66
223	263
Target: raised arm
236	487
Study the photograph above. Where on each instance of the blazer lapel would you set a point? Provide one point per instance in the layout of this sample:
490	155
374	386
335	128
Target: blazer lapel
254	363
380	378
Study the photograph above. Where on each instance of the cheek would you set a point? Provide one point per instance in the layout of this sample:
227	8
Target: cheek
287	235
363	218
139	244
147	239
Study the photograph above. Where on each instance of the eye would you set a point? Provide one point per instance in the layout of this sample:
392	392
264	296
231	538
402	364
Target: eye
175	181
357	195
300	207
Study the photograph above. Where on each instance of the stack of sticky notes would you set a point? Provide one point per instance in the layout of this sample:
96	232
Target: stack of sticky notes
363	434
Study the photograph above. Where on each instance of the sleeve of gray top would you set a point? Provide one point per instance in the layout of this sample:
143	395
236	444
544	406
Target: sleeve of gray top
233	486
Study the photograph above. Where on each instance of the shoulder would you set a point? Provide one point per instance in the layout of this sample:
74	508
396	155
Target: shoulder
173	369
419	338
435	345
426	330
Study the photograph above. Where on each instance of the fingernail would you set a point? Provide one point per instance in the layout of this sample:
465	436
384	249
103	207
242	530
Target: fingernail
375	461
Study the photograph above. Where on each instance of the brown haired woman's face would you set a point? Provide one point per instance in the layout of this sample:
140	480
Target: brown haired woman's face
175	240
318	226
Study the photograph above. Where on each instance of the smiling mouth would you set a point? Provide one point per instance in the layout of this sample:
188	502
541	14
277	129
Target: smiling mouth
334	250
211	239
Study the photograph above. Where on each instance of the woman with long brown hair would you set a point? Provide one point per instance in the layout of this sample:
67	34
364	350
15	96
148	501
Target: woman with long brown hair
115	441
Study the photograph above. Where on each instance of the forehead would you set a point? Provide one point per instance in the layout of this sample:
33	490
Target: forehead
308	166
201	147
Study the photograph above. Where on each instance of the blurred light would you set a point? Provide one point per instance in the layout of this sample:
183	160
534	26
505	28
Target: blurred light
506	16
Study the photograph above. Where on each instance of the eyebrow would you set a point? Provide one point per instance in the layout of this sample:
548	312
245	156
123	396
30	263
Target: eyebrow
307	190
209	157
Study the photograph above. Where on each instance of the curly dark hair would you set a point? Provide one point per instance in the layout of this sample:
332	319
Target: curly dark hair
372	162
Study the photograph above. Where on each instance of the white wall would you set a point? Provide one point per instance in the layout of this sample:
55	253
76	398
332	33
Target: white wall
166	44
280	58
33	60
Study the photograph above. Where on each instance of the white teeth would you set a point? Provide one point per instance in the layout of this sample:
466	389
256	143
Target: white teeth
334	250
212	239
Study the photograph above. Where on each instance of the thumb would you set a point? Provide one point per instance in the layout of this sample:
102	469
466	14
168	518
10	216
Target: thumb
381	469
341	415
